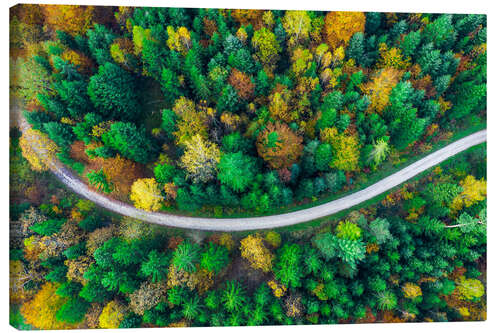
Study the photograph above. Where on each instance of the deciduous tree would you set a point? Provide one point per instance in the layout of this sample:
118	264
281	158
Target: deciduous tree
279	145
200	159
146	194
340	26
253	249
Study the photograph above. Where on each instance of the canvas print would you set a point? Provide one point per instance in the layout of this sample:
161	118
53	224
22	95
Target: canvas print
175	167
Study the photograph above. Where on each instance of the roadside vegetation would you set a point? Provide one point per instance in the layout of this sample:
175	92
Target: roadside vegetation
244	112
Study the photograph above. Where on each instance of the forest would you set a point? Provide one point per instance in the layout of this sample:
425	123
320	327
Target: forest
417	254
220	112
231	112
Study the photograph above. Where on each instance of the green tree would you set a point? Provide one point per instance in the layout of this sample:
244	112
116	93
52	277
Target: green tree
114	93
186	256
214	258
323	156
99	180
191	307
288	268
236	171
233	296
130	142
73	311
156	266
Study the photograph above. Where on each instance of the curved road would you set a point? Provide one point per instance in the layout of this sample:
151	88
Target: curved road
264	222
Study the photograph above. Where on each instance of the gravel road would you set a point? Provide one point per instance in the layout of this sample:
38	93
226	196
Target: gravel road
263	222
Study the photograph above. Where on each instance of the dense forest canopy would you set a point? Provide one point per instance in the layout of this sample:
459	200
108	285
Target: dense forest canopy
220	111
250	110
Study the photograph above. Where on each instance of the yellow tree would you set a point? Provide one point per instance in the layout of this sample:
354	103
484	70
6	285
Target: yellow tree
139	34
191	121
411	290
146	194
200	159
279	105
379	88
75	20
81	61
179	40
253	249
302	60
340	26
297	25
474	190
392	57
112	315
41	310
267	48
345	149
38	149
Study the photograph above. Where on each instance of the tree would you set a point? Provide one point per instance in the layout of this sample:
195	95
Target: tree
200	159
242	83
323	156
42	309
474	190
112	315
169	121
156	266
130	142
38	149
345	149
331	246
191	307
73	311
47	227
297	25
29	79
348	230
75	20
122	173
252	248
379	228
288	268
114	93
379	88
233	296
236	170
386	300
147	296
379	151
267	47
469	289
404	125
214	258
340	26
146	194
279	145
61	134
186	256
99	180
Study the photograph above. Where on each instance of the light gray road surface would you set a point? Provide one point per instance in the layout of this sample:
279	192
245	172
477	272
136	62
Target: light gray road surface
264	222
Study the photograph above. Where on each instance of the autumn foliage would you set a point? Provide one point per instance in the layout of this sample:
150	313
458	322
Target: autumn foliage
41	310
340	26
279	145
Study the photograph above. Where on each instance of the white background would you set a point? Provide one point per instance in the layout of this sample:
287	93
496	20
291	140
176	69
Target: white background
422	6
